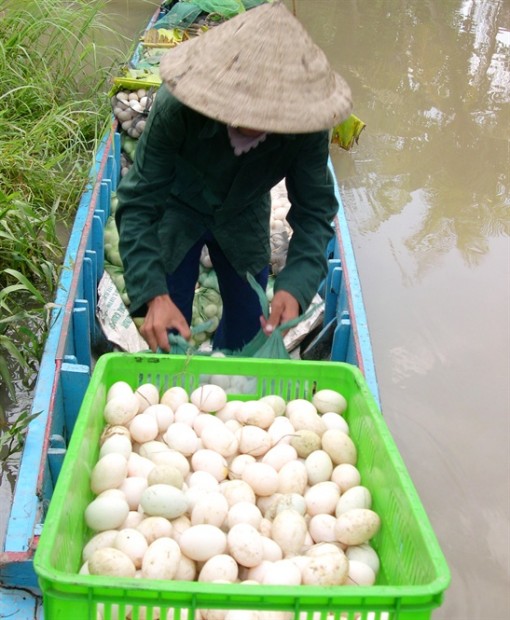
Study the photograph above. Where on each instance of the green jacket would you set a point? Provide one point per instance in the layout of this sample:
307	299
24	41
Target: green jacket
186	179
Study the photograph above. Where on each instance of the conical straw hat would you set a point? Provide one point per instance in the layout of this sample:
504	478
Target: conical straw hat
259	70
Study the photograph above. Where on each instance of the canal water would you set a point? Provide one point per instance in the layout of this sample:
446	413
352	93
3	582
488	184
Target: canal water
426	193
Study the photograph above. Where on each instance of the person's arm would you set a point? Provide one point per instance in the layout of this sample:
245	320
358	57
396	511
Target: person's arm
141	195
311	193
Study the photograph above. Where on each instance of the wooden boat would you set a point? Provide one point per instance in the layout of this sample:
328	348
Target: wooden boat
67	363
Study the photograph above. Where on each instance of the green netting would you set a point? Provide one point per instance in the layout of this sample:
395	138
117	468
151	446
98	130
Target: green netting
250	4
181	15
225	8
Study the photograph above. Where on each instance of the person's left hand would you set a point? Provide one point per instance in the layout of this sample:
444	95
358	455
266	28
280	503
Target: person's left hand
284	307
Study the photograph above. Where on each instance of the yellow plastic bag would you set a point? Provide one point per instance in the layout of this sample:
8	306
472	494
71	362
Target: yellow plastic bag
347	133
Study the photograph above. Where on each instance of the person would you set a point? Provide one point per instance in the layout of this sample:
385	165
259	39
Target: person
246	104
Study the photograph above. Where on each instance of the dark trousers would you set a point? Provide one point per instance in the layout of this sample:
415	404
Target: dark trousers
240	320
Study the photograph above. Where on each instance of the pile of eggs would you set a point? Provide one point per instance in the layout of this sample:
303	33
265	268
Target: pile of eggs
131	108
198	487
280	231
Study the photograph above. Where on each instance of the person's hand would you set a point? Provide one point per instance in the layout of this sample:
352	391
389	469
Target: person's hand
163	315
284	307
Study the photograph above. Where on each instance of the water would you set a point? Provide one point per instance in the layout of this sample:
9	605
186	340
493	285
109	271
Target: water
426	192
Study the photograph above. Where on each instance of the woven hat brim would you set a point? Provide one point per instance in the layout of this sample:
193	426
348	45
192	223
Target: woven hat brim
259	70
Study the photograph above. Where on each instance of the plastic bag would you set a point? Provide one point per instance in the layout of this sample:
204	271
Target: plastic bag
272	346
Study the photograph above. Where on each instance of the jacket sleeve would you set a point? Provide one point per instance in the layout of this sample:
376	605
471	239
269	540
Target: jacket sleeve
141	195
313	202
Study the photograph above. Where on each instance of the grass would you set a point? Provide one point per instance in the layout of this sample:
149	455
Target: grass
53	106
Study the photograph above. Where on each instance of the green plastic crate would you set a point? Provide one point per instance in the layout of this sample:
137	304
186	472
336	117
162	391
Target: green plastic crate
413	574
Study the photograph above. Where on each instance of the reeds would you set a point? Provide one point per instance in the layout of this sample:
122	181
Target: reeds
53	107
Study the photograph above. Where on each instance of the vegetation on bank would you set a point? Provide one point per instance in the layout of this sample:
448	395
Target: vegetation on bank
52	113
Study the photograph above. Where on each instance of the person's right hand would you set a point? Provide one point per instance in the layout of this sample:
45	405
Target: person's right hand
162	316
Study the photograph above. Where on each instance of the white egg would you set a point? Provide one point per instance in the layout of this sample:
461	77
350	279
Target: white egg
237	491
155	527
287	501
108	473
209	398
211	508
245	544
144	427
293	478
211	462
322	528
202	478
98	541
262	478
357	526
173	397
119	388
289	531
111	562
272	551
121	409
253	440
322	498
220	439
163	500
181	437
346	476
256	412
161	559
276	402
281	431
282	572
166	474
204	419
328	569
363	553
256	573
329	400
172	457
319	467
355	497
339	446
202	542
163	414
133	543
244	512
228	412
147	395
106	513
237	465
186	413
222	567
333	420
139	465
360	574
148	449
186	569
280	454
121	444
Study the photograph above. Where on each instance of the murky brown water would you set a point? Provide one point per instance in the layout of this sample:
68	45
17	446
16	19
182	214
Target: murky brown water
427	196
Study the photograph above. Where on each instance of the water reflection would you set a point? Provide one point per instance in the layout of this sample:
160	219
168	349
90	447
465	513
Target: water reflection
432	82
